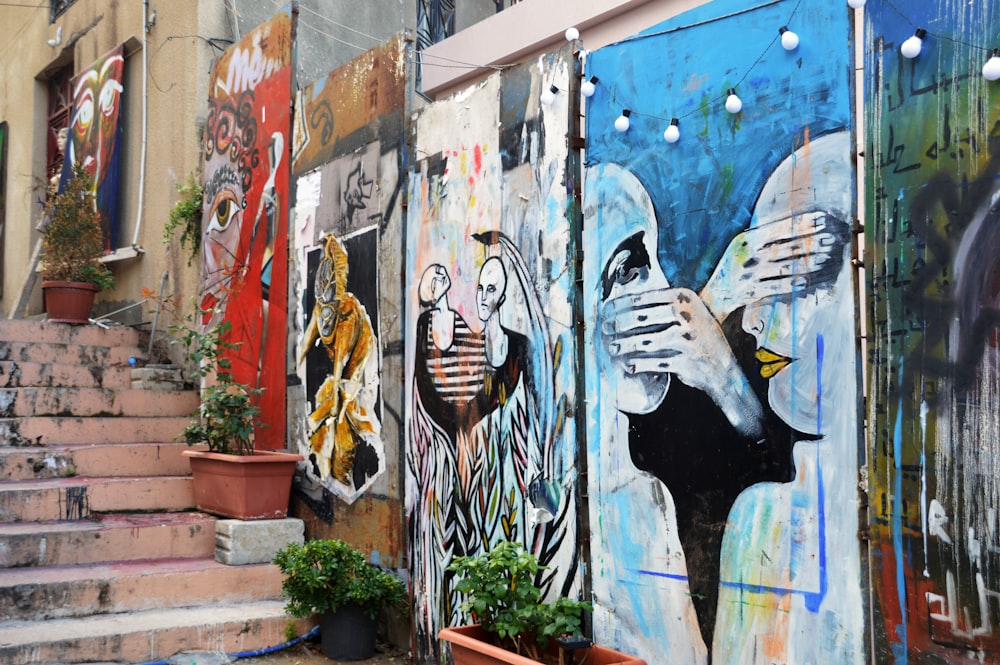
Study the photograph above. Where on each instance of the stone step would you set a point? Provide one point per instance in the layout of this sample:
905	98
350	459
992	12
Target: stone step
68	354
56	592
54	430
124	536
152	635
141	459
79	498
15	374
27	402
28	330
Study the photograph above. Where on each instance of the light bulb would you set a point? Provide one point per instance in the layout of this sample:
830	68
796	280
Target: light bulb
911	47
991	70
622	123
548	96
673	132
572	34
733	103
789	40
589	87
855	4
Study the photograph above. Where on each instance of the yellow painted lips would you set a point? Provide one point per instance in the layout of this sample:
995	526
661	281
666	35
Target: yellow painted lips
771	363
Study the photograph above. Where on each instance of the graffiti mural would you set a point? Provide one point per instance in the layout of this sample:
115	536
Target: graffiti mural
95	135
721	354
931	247
245	225
490	355
337	222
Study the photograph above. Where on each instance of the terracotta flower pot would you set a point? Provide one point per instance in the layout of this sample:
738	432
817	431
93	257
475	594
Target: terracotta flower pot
68	302
246	487
471	645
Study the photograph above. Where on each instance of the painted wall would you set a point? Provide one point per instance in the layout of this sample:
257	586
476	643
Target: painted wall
721	412
931	246
344	392
244	246
490	339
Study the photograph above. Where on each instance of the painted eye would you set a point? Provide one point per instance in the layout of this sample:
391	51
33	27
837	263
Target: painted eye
84	113
109	97
224	211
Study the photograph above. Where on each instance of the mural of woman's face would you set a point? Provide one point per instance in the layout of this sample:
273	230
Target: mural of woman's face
618	206
221	228
93	127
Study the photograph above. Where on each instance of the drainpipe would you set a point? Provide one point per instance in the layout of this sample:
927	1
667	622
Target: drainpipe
146	24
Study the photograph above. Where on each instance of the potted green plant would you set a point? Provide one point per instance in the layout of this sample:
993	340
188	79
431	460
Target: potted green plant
515	627
231	478
71	251
186	217
330	578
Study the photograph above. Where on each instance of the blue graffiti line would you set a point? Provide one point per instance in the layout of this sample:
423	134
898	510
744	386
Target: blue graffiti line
814	600
751	588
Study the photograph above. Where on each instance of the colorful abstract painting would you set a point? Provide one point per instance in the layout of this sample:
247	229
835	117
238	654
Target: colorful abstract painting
95	132
245	225
932	240
490	343
722	402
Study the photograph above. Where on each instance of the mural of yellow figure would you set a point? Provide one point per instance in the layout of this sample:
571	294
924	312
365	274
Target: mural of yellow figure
343	421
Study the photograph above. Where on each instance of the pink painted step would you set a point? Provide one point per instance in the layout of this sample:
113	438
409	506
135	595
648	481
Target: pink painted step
49	430
52	592
113	537
15	374
141	459
28	330
147	636
68	354
80	497
26	402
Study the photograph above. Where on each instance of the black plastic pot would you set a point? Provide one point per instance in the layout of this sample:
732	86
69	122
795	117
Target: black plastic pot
347	634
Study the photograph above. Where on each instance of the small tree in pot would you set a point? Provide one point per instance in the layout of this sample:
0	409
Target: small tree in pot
330	578
72	247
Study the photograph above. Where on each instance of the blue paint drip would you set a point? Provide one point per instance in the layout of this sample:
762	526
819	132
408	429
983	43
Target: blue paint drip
814	600
897	522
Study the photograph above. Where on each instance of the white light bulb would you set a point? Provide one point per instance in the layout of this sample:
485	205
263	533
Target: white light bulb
548	96
572	34
672	133
855	4
991	70
789	40
733	103
589	87
911	47
622	123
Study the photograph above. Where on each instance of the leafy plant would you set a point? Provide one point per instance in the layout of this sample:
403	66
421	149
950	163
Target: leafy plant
326	574
227	415
186	215
72	238
501	594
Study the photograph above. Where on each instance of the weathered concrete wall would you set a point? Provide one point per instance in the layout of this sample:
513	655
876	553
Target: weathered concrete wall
490	336
931	241
721	410
345	402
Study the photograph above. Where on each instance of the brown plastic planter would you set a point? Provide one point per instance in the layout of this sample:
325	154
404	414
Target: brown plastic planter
470	646
245	487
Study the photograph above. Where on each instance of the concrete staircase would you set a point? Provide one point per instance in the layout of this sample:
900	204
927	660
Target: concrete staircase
102	557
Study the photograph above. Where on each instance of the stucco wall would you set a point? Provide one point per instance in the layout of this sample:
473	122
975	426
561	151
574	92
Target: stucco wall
176	102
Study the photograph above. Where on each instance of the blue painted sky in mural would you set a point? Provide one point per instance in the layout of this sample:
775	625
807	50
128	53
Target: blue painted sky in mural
704	187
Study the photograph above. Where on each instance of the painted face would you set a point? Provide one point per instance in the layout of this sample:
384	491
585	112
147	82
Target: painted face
221	228
492	284
805	340
620	209
434	283
96	102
